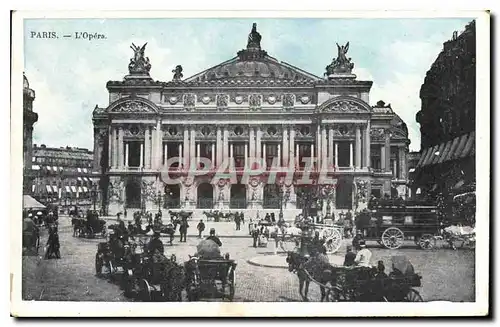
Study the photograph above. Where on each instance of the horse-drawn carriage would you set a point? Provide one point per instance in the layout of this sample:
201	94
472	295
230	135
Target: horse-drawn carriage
369	285
90	226
355	283
390	222
330	235
180	215
210	278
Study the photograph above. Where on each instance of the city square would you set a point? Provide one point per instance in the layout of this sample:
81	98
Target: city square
254	180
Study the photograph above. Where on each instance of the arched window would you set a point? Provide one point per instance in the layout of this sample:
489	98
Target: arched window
133	193
271	197
238	197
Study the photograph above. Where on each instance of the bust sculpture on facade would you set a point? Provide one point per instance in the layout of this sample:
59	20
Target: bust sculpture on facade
341	64
139	64
177	73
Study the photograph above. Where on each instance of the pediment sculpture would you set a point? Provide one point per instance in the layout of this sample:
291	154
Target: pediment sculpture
344	106
132	106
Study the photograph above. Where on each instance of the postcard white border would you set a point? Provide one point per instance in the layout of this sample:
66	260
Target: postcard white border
35	308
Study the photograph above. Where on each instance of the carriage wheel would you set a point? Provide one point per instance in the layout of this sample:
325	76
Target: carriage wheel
334	242
413	296
98	265
144	291
392	238
427	242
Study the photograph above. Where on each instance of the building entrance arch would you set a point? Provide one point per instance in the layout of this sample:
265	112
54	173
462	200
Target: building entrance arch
172	197
133	193
205	196
238	196
271	197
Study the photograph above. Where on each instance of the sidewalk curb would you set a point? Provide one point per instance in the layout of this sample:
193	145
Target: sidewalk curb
254	263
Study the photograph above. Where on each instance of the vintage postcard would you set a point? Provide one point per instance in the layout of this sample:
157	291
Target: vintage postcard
250	164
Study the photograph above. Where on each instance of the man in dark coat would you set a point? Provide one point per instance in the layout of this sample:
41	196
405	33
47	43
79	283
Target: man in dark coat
155	245
200	227
213	237
53	244
183	229
349	257
255	235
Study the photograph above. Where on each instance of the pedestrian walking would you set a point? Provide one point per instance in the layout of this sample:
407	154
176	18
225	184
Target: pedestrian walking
201	228
255	235
183	229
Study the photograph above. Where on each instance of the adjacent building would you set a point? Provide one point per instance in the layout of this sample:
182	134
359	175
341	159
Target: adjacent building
63	176
447	118
29	119
251	109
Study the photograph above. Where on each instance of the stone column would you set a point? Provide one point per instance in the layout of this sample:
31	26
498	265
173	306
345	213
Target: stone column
192	149
252	142
382	157
291	148
181	156
142	156
213	154
404	163
330	146
120	147
367	145
115	147
198	153
351	161
336	155
279	155
185	146
324	148
110	147
246	154
285	146
358	147
126	154
231	149
225	144
218	146
147	149
296	156
264	154
165	154
318	147
387	146
258	150
158	145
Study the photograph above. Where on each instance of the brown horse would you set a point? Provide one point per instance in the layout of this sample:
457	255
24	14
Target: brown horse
307	268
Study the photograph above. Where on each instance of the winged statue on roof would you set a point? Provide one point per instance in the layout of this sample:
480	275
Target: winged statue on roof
139	64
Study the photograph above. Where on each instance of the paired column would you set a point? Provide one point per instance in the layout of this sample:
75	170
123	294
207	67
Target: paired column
318	147
246	154
185	147
110	147
147	149
252	142
142	156
291	148
403	158
192	149
350	155
120	147
324	148
367	145
285	146
219	146
358	147
212	153
382	157
331	154
115	148
126	154
336	155
279	155
165	153
387	146
258	152
226	144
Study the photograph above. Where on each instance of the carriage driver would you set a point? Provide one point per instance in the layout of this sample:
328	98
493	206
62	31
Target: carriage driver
155	244
363	256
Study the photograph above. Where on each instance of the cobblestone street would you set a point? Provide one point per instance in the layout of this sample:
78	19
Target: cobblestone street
447	275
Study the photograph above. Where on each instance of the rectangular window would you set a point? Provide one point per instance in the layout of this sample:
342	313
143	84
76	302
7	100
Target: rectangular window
172	152
304	152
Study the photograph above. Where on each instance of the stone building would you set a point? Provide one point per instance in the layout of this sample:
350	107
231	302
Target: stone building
447	117
63	176
29	119
247	111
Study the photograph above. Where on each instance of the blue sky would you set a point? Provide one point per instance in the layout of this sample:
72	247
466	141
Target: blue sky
69	76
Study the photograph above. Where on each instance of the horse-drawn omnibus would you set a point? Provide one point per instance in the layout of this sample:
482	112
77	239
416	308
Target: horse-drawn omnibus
391	222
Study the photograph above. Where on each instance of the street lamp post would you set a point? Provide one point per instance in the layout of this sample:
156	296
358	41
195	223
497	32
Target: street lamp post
158	196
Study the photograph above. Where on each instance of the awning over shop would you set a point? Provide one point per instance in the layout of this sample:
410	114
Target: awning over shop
85	189
30	203
73	188
459	147
54	188
80	189
55	169
79	170
68	189
35	167
80	179
48	188
85	170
